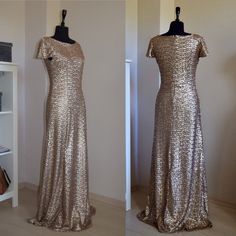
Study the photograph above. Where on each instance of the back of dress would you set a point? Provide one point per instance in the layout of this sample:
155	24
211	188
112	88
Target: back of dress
177	56
177	198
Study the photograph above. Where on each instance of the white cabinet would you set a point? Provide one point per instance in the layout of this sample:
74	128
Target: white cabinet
8	128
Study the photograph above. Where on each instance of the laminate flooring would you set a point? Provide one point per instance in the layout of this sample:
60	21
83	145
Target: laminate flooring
108	221
223	219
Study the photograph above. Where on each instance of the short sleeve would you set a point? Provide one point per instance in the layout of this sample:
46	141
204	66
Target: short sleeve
44	50
150	51
203	51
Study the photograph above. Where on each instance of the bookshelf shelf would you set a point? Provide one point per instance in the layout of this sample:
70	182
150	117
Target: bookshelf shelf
5	112
8	128
5	153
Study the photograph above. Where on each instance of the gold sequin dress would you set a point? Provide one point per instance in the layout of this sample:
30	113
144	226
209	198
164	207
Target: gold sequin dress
63	200
177	198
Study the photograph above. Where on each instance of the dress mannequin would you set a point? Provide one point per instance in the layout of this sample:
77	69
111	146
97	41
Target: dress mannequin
177	26
177	197
62	32
63	194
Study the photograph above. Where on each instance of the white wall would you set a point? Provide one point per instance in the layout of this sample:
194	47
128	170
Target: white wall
99	26
35	89
53	18
148	80
41	18
103	85
131	36
216	82
215	20
167	14
12	29
144	20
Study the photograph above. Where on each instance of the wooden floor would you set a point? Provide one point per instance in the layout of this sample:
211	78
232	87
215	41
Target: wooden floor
223	219
108	221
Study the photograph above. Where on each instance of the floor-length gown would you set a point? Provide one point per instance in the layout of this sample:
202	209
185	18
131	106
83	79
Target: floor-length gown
177	198
63	201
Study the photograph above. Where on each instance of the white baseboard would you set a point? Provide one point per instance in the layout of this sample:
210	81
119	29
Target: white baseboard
92	196
121	204
107	200
144	189
28	186
139	188
222	203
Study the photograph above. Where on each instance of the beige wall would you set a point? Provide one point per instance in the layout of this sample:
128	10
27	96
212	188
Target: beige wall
12	29
148	80
215	20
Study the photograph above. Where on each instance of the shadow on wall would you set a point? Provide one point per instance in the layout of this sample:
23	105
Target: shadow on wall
227	142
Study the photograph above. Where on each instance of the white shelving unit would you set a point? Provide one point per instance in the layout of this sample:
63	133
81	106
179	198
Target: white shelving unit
6	153
8	128
5	112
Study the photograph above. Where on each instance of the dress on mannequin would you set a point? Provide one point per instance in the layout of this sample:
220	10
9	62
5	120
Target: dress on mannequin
63	200
177	198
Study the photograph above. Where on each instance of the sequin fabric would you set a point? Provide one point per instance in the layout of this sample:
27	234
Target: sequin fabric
63	200
177	198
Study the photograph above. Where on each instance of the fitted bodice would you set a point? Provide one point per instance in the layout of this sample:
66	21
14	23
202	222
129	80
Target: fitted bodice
64	63
177	57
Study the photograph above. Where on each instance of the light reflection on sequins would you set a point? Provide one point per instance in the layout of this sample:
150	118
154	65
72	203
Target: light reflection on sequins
177	198
63	201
